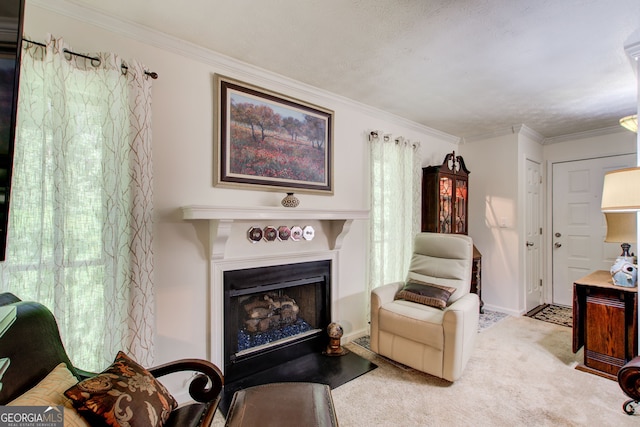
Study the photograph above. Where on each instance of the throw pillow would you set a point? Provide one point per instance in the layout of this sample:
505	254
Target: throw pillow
125	394
50	392
426	293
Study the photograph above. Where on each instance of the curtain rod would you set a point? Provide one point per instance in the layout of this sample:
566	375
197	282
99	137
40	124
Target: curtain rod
151	74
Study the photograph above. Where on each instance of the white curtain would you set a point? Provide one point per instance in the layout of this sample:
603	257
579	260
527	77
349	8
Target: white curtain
395	207
81	201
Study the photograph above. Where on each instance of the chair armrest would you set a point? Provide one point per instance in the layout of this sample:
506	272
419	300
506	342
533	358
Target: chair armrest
466	303
629	378
460	324
384	294
205	386
208	373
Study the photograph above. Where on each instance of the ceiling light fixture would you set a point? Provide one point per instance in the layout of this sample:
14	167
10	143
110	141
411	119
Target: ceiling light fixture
630	122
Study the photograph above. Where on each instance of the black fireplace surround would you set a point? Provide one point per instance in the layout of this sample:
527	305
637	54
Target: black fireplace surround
273	315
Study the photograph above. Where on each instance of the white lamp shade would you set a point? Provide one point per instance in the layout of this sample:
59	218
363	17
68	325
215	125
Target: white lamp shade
621	190
621	227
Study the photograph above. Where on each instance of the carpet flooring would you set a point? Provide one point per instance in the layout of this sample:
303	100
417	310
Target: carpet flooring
560	315
521	373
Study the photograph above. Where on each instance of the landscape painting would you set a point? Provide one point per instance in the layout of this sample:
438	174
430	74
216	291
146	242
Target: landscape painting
269	140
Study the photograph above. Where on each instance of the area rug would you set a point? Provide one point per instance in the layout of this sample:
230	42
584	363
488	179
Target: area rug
560	315
489	318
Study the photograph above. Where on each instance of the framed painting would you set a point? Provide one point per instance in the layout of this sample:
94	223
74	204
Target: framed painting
265	140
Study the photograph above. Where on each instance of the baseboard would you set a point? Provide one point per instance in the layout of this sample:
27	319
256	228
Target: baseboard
514	313
354	335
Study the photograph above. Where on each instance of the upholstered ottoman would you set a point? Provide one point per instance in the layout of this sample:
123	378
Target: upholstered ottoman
283	404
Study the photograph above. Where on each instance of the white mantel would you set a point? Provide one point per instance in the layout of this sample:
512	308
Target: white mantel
221	220
335	224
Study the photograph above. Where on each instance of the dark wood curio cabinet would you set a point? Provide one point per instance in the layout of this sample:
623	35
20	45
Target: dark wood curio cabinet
445	196
445	206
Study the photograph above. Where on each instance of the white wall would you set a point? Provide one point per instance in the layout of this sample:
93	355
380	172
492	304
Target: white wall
493	216
497	192
183	111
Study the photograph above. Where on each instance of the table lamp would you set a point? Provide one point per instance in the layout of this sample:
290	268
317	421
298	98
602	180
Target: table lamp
620	204
621	228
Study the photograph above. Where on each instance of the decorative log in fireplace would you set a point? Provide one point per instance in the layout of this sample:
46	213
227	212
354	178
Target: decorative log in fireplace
269	311
274	314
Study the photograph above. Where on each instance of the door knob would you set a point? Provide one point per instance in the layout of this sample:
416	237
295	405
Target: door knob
557	245
529	243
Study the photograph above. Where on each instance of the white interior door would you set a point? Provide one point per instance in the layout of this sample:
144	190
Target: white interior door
579	226
533	273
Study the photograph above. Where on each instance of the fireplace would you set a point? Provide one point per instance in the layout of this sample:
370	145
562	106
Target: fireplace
273	315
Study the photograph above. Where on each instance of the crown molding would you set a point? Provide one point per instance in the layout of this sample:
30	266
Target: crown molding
520	129
540	139
222	63
525	130
583	135
633	50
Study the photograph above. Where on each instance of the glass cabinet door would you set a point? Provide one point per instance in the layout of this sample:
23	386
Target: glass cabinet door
446	204
461	207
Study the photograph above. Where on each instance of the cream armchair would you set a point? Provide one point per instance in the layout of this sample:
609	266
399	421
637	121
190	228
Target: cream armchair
438	341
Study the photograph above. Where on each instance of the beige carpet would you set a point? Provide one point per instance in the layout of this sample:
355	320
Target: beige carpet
521	374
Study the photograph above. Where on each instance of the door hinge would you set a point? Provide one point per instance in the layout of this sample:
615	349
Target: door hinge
541	231
540	282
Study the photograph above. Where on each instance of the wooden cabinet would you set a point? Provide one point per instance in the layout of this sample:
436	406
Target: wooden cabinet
605	322
445	190
444	196
476	276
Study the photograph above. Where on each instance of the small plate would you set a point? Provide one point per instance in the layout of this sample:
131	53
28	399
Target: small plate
308	232
270	233
296	233
284	232
254	234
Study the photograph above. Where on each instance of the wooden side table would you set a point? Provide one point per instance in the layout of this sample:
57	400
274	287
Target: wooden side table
476	276
605	322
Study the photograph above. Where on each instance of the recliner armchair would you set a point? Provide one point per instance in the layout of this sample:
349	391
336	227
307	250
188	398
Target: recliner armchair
438	341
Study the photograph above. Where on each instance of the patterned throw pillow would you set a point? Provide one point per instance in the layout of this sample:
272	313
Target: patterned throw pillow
50	392
125	394
426	293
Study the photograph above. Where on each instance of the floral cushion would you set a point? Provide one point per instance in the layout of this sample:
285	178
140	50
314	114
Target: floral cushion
125	394
426	293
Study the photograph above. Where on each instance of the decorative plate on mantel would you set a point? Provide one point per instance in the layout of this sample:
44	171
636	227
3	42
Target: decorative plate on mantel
308	232
284	232
270	233
296	233
255	234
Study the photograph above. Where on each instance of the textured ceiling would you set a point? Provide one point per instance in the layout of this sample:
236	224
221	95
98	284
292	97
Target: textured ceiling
463	67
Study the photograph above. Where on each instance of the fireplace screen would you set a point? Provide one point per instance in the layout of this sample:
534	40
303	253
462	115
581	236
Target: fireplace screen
273	317
274	314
